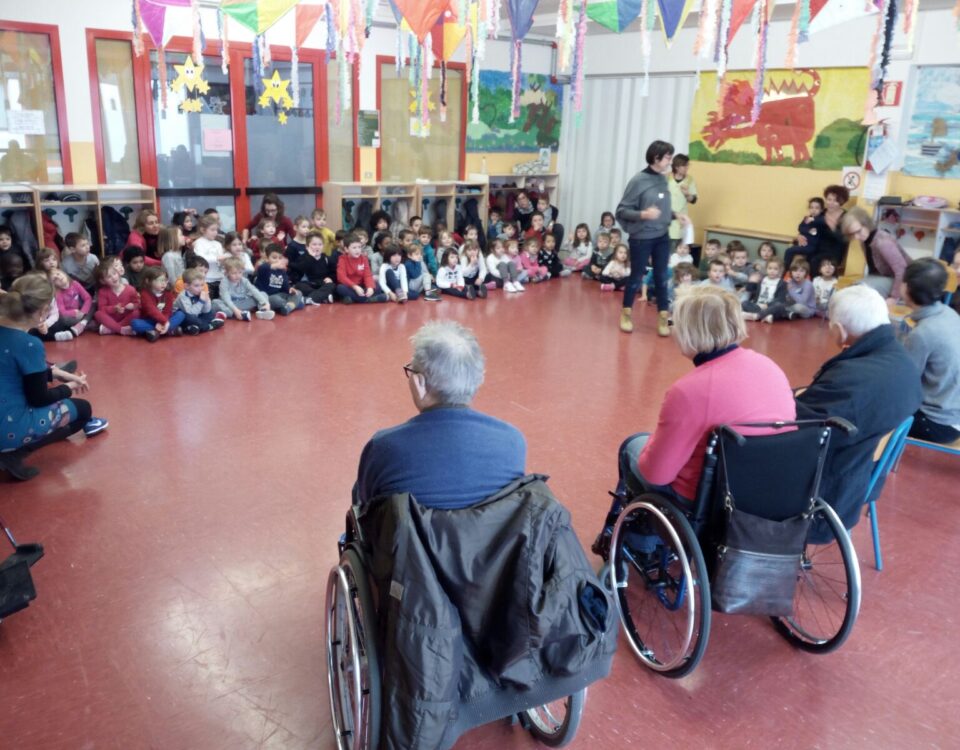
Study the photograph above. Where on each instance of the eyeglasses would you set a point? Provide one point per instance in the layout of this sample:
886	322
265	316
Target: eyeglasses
408	370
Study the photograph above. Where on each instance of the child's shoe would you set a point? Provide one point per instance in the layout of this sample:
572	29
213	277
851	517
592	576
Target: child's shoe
216	323
606	287
78	329
751	316
127	331
491	285
309	301
191	330
221	316
63	336
104	331
266	314
518	287
95	425
151	336
566	272
509	286
482	291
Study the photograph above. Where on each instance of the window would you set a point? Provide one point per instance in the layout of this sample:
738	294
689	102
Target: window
32	146
405	157
340	136
118	111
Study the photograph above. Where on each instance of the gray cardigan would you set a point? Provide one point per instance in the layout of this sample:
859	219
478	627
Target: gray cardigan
934	345
646	188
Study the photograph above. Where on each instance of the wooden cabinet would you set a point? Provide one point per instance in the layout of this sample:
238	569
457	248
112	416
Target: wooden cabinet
922	232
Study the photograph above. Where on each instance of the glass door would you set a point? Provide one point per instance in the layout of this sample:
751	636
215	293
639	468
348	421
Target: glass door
194	145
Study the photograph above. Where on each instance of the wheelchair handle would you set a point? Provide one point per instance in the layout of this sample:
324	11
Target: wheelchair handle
727	429
845	426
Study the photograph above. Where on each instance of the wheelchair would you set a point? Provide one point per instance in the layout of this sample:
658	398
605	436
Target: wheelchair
354	670
660	577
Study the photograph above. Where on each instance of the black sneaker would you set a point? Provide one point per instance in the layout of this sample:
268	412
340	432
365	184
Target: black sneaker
432	296
482	291
151	336
215	324
191	330
471	292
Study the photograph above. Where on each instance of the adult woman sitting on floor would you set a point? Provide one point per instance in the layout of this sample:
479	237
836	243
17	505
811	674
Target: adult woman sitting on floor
32	414
886	259
832	242
708	327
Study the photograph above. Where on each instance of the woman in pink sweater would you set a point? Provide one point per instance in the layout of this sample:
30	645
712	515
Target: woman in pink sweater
729	385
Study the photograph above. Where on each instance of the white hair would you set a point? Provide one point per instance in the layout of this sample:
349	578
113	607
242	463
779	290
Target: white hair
859	309
450	359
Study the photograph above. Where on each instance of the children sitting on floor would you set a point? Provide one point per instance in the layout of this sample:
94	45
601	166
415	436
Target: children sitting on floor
767	252
824	286
118	304
78	262
195	303
717	273
47	260
741	269
74	303
530	261
577	254
239	298
191	261
450	277
680	255
474	267
808	232
607	222
264	235
233	248
502	269
319	220
602	253
393	275
316	282
685	275
801	300
711	249
425	238
495	224
208	248
297	245
418	278
354	279
517	257
157	314
548	258
8	246
617	270
133	264
767	297
537	229
271	278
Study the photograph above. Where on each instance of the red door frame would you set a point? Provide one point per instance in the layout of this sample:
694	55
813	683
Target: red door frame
59	94
384	59
238	53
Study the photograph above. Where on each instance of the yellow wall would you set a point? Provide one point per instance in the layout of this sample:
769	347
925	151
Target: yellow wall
496	163
83	159
910	187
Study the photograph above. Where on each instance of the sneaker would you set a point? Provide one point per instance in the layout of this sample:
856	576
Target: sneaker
518	287
482	291
178	331
750	316
151	336
78	329
310	302
221	316
63	336
329	299
95	425
127	331
70	366
471	292
566	272
491	285
104	331
216	323
606	287
191	330
432	296
509	286
245	315
266	314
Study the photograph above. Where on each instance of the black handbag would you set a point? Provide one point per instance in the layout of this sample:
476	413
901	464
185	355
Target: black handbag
16	583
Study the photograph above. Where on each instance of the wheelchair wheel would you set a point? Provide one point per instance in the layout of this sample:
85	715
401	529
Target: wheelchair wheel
555	724
827	600
662	591
353	669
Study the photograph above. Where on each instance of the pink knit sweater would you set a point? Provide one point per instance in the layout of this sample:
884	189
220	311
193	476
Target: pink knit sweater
740	386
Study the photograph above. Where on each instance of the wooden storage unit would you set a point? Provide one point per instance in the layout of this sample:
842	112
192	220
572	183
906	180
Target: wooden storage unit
430	194
342	200
514	183
403	193
133	196
19	197
466	189
922	232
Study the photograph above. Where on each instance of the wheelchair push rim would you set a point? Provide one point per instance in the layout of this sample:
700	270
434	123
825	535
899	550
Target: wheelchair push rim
555	724
662	595
352	666
827	600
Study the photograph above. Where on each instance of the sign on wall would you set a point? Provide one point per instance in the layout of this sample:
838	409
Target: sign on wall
933	140
538	125
808	118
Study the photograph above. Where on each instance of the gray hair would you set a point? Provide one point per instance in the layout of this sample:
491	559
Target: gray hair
859	309
450	359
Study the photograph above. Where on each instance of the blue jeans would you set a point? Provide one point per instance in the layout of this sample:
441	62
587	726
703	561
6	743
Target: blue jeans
641	252
142	325
394	285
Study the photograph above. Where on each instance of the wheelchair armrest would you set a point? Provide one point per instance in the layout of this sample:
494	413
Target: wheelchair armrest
728	430
353	533
845	426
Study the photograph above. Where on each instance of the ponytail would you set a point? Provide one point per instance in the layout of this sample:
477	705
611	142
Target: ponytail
29	295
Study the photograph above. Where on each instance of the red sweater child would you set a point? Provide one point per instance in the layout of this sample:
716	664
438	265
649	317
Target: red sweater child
108	301
156	307
354	271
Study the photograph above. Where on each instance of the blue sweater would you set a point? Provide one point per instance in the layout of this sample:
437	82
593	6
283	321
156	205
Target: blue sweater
444	457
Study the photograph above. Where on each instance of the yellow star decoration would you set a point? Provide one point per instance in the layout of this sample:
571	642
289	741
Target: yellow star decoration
431	107
190	77
276	91
282	118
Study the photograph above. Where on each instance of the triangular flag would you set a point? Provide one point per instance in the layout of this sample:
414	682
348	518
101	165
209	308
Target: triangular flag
615	15
421	15
521	16
306	17
741	11
256	15
153	15
672	15
834	12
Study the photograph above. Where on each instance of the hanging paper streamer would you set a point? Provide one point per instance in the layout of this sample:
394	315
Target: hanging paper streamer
197	33
521	19
493	14
565	34
880	57
726	8
706	28
137	39
910	10
162	77
762	32
648	12
224	43
578	58
673	14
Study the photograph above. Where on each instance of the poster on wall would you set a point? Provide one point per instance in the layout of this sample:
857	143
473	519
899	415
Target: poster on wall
538	125
808	118
933	139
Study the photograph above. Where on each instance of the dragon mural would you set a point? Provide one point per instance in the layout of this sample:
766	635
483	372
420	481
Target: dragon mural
787	116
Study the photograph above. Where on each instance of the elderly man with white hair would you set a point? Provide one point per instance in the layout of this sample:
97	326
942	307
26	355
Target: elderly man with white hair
872	382
448	456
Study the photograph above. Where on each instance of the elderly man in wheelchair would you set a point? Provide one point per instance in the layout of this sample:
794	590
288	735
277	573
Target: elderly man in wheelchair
462	595
720	508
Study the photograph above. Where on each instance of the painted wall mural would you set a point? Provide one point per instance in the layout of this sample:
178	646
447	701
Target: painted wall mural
933	140
808	118
538	125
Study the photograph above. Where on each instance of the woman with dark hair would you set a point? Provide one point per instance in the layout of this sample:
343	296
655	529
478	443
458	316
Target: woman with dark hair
832	243
644	213
271	207
33	414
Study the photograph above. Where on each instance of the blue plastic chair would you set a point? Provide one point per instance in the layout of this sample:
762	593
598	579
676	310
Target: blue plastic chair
881	467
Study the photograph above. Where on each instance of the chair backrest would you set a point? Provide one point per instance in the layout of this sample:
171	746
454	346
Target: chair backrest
886	453
772	476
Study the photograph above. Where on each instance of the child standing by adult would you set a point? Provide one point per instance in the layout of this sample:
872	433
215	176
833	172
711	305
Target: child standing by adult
239	298
354	278
209	248
118	304
194	301
580	249
78	262
617	270
393	275
272	279
157	314
316	282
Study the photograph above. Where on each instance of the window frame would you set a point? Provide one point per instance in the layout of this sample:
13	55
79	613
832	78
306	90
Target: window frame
464	104
59	92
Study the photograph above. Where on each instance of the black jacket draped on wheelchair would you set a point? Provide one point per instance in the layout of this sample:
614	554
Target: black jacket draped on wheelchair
481	611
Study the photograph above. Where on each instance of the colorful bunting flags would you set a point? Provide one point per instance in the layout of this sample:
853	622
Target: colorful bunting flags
673	13
521	19
615	15
257	15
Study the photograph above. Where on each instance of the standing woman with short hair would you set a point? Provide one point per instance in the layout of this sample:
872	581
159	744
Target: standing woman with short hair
644	213
31	413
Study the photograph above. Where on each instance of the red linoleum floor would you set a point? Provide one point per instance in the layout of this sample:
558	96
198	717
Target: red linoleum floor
181	596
